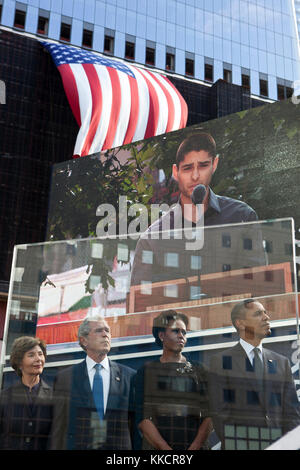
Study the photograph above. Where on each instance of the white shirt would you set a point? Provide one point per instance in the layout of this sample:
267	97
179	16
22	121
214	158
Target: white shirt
249	349
105	373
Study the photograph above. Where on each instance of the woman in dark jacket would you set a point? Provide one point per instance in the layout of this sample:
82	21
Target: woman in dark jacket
26	406
171	393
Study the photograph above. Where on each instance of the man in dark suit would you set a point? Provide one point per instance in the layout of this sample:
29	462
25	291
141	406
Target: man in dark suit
92	401
252	393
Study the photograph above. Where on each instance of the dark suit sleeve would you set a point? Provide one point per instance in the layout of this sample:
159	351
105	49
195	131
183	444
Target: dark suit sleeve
291	406
60	421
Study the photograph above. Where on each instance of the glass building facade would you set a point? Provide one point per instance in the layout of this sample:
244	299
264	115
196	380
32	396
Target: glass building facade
297	9
251	43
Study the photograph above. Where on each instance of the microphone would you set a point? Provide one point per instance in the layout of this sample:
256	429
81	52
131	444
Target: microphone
198	194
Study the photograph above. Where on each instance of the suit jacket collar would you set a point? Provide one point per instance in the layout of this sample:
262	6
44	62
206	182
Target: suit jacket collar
241	359
115	380
44	389
81	381
248	348
269	361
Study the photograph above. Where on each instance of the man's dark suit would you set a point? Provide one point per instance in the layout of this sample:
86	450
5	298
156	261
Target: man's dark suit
76	423
241	409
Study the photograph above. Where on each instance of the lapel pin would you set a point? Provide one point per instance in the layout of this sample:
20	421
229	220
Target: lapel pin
118	379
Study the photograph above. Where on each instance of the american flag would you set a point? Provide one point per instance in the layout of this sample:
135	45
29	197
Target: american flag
115	103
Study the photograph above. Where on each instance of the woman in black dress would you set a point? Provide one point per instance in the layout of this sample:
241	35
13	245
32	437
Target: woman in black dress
171	393
26	406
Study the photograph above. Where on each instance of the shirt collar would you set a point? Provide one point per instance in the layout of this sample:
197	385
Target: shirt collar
213	201
249	347
90	363
33	389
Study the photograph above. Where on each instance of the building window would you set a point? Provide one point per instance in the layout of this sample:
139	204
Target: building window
195	292
196	262
170	61
87	38
226	267
263	87
280	92
65	32
247	244
226	240
246	81
20	17
146	287
227	72
43	24
189	67
129	50
171	290
248	275
284	91
150	56
268	246
269	276
209	72
171	260
123	253
147	257
227	76
228	395
109	44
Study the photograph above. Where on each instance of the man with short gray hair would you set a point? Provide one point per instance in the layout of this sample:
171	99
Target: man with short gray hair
92	397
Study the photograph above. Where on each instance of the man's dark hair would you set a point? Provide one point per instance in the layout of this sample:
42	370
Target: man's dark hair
162	322
239	310
196	143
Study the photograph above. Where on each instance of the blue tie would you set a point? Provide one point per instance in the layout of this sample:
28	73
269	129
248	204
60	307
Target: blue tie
98	390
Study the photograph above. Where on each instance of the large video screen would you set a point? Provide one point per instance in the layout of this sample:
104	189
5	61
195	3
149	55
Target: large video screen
258	164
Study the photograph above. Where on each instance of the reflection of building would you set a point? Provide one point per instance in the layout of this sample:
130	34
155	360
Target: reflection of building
58	301
231	262
59	292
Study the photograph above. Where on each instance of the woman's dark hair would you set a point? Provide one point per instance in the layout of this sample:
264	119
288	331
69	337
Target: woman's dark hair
162	322
20	347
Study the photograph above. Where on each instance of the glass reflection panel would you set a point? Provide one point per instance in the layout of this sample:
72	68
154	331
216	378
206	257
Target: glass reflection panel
130	283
